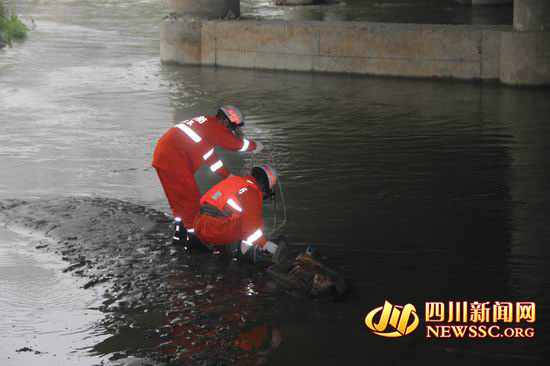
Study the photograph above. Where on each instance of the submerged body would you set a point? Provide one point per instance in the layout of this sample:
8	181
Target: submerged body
304	275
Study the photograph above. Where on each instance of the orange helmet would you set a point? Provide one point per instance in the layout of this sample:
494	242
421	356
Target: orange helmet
266	174
234	115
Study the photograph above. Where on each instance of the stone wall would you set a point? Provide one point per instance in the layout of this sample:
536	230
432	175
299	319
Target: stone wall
407	50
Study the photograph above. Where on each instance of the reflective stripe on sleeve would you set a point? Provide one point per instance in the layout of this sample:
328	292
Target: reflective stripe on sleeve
252	238
217	165
208	154
189	132
234	204
245	145
190	230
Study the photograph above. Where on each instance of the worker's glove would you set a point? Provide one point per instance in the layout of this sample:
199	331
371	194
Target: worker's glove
255	253
271	247
259	147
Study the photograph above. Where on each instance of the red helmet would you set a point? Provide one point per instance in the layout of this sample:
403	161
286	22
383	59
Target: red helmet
270	174
233	114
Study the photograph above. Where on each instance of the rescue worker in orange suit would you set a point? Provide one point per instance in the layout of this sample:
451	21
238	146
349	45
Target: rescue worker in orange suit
182	150
231	214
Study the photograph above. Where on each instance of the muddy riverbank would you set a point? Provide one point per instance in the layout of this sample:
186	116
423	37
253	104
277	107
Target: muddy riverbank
160	303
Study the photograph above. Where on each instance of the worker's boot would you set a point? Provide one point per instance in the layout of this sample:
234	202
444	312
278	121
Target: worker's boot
194	245
254	254
179	233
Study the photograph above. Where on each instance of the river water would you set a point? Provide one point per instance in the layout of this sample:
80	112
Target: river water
417	190
391	11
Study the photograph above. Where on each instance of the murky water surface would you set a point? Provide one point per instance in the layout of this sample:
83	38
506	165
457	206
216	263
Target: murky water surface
392	11
44	315
417	190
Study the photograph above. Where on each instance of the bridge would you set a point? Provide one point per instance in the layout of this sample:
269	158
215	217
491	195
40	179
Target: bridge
206	33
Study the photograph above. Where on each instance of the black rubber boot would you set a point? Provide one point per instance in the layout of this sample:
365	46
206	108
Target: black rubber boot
256	255
194	245
179	233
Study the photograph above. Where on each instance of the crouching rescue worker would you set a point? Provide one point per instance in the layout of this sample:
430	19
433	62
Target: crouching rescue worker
231	214
182	150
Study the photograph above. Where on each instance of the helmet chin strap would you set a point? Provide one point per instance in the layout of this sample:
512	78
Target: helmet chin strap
237	130
269	194
274	208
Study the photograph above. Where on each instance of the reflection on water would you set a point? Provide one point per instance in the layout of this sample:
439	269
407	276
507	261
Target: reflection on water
420	191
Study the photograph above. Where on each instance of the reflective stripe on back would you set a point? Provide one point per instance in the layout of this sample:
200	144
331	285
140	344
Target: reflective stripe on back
245	145
219	195
234	204
208	154
189	132
217	165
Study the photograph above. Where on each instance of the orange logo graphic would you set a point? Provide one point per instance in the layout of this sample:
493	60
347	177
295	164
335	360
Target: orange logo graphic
399	317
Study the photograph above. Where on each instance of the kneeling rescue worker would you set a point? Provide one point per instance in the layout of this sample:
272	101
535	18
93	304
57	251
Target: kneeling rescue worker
182	150
231	214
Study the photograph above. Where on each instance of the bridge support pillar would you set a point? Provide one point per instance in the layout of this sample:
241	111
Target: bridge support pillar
181	31
525	57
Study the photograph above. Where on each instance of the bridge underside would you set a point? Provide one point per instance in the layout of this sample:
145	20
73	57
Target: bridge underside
199	33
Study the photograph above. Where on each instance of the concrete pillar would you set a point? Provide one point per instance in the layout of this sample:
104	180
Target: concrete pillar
181	40
532	15
525	52
525	58
181	31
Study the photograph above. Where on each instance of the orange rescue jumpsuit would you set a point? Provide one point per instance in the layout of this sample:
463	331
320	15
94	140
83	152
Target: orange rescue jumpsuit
182	150
231	211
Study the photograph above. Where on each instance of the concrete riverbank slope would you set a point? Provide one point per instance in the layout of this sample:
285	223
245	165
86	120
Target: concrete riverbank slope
495	53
